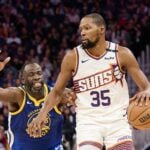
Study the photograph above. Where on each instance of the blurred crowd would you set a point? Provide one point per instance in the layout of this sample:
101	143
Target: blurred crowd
43	30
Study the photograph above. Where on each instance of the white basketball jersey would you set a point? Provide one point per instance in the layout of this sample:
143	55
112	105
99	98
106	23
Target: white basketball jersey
101	87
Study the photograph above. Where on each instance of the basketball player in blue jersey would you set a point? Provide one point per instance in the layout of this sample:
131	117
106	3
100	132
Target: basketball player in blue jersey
24	104
98	72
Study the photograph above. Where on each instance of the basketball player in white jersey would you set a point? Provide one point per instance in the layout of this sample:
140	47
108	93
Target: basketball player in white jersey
98	69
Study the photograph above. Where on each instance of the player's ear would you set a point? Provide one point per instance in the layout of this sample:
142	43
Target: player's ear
22	80
102	29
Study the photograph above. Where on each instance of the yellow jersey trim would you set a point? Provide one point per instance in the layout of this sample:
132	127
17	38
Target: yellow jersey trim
22	105
37	102
57	110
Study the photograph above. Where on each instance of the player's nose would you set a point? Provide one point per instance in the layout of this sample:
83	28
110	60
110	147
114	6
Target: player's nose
83	33
36	77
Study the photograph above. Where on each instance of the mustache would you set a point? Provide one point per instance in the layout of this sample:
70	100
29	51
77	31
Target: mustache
31	84
83	39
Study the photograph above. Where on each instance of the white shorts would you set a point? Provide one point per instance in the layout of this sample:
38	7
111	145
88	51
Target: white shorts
105	134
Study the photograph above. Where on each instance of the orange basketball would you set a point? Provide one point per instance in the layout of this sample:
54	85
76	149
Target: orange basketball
139	116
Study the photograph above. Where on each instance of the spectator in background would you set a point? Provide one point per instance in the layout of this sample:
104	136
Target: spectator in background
3	139
30	25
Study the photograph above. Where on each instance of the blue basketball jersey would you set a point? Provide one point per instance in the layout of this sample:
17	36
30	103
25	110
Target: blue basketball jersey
19	120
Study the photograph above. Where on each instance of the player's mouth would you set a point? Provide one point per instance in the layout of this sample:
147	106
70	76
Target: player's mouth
83	40
37	85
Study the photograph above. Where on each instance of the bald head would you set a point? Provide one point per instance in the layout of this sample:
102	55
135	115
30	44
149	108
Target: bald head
28	66
31	66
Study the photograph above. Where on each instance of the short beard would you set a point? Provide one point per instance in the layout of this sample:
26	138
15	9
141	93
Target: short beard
89	44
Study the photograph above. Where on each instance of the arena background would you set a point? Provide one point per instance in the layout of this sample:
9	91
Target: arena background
43	30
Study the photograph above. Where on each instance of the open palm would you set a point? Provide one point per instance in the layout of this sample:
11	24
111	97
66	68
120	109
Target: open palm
3	63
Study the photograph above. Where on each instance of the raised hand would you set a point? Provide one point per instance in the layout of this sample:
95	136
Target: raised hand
3	63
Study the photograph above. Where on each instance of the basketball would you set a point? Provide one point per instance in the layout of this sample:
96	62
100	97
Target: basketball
139	116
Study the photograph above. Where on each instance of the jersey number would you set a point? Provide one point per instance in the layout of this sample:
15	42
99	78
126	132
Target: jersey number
100	98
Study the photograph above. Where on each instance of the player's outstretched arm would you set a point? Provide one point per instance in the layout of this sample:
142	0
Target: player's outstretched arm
128	62
11	94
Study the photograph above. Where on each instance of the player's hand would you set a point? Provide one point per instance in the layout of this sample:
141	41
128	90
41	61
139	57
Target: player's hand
3	63
142	98
35	127
69	97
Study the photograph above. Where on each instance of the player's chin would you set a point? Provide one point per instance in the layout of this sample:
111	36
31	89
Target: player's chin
84	45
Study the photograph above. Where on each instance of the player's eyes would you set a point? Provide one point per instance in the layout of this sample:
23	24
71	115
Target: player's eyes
39	73
87	28
31	74
84	28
